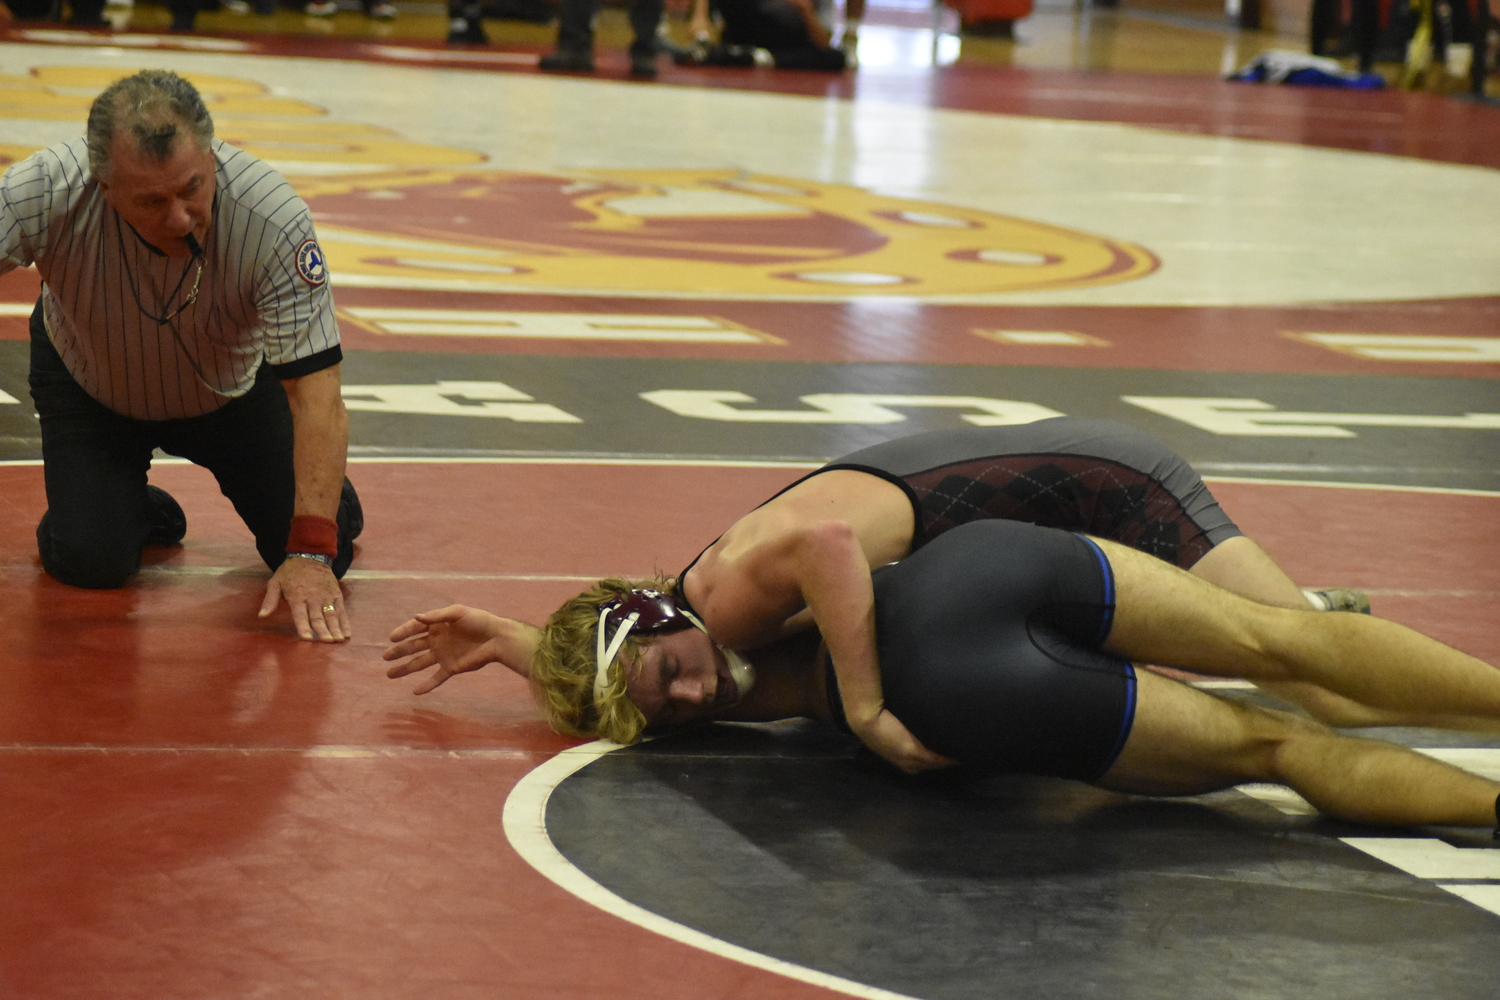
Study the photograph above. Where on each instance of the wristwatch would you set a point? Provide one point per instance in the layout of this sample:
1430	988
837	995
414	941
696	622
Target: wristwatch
320	557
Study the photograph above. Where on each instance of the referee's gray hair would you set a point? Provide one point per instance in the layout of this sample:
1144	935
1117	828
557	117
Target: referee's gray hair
156	105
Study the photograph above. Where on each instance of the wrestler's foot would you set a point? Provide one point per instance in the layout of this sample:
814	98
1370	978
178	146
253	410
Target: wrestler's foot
168	522
1339	599
563	61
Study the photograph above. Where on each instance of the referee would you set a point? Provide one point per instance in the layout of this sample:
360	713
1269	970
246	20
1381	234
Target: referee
185	306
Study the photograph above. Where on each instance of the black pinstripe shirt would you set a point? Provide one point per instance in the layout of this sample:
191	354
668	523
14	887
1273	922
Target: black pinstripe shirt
264	296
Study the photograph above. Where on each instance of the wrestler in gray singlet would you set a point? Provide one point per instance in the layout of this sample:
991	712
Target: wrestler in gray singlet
1096	476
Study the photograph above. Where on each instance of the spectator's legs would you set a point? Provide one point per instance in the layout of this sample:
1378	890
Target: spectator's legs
811	57
184	14
575	36
645	19
87	13
465	24
1365	27
761	24
778	27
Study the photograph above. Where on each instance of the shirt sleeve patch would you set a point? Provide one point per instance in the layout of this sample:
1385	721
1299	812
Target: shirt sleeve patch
310	263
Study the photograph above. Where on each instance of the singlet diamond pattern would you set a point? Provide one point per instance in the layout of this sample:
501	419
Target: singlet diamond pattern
1074	492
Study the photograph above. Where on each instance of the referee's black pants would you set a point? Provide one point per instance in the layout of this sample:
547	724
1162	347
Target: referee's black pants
95	463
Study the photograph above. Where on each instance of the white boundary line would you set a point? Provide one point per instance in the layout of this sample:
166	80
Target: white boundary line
740	463
1334	485
525	821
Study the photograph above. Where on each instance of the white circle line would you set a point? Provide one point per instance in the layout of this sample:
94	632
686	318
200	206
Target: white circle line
525	821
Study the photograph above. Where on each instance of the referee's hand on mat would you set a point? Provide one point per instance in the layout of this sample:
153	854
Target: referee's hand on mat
312	593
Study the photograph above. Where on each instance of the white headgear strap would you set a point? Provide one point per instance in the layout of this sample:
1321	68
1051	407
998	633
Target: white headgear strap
606	652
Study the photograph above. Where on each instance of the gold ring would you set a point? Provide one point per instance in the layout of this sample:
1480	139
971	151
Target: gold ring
327	608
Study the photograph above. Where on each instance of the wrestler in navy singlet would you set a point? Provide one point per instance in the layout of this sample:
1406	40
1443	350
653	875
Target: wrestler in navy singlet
989	641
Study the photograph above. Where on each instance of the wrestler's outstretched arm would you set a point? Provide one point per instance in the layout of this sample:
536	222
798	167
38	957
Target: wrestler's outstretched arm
457	639
746	597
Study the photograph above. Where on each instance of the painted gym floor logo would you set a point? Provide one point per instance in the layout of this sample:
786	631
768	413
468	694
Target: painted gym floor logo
422	216
713	232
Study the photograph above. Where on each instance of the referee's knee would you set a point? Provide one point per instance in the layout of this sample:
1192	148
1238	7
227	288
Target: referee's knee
92	563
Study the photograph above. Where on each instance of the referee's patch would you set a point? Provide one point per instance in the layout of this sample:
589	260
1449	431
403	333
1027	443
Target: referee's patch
310	263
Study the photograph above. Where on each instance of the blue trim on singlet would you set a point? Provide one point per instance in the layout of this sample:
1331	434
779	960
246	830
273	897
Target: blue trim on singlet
1107	573
1106	625
1128	722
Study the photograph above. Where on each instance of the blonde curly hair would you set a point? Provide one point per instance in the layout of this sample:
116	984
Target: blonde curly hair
564	665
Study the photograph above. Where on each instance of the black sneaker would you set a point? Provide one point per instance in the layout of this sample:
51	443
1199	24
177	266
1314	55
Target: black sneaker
563	61
1339	599
643	65
168	522
467	31
729	55
351	514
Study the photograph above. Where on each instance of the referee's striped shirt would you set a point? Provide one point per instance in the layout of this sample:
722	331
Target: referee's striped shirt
264	294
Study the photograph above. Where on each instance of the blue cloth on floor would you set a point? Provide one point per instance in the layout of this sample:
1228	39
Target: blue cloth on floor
1300	69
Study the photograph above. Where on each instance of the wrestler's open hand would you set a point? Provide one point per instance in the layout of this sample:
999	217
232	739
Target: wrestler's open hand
454	639
887	736
312	593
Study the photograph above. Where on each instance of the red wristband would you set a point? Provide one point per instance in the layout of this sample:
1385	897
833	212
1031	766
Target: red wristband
311	533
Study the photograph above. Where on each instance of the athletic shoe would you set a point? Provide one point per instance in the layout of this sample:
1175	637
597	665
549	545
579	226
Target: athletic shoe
382	11
1339	599
168	522
321	8
728	55
569	62
643	65
466	31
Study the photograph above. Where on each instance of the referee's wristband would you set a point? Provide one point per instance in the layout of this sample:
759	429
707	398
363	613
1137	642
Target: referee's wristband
315	556
311	533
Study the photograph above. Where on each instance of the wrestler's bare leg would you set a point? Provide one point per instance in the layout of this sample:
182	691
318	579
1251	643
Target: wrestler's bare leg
1167	616
1185	742
1241	566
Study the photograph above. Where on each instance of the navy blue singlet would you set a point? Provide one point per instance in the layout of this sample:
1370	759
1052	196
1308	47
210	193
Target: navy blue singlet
989	642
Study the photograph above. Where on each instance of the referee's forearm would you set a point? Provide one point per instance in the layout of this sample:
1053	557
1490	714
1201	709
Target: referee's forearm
320	426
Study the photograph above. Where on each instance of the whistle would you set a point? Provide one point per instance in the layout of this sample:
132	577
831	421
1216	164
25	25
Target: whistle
192	245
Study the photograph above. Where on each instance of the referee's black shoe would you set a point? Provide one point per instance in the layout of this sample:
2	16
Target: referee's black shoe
351	516
168	522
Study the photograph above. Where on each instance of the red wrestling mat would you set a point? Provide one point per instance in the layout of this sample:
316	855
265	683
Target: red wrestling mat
204	804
